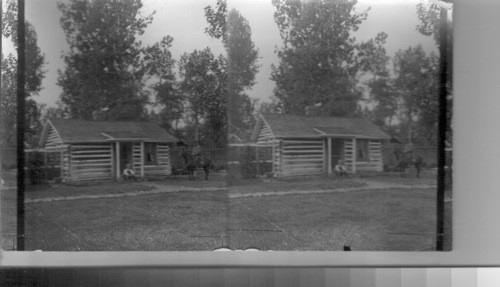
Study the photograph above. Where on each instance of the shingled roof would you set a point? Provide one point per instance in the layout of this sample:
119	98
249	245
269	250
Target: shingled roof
85	131
287	126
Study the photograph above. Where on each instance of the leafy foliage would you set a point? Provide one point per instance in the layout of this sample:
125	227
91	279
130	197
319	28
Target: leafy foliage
430	21
374	61
201	84
34	73
318	60
105	66
242	56
416	83
216	19
242	59
162	67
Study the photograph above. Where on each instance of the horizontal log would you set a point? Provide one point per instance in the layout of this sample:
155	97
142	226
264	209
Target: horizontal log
93	175
299	168
317	147
304	169
90	146
303	142
288	152
90	172
91	156
84	152
311	163
302	164
80	162
90	178
265	132
92	166
303	159
319	157
90	152
263	139
291	168
284	173
53	143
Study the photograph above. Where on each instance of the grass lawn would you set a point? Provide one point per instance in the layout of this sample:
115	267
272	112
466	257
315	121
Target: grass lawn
172	221
191	221
395	219
8	218
90	188
300	183
365	220
115	187
215	179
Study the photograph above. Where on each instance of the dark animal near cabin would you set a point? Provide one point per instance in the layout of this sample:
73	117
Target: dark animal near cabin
405	163
192	163
402	166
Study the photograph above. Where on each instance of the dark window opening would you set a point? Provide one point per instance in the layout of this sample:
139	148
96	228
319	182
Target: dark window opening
362	150
149	153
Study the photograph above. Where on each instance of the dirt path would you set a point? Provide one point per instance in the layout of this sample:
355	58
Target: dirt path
160	188
368	185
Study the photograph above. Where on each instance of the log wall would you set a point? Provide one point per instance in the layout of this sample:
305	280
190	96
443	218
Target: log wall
375	163
162	166
53	139
349	154
90	161
302	157
265	133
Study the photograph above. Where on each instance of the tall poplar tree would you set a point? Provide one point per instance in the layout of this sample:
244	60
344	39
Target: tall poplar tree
105	66
34	73
242	60
319	57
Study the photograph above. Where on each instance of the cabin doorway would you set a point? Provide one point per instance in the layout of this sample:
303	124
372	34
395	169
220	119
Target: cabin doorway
336	151
125	155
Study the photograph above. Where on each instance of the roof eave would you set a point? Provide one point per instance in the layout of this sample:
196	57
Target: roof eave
332	135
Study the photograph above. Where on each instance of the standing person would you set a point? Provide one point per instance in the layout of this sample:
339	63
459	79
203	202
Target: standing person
340	168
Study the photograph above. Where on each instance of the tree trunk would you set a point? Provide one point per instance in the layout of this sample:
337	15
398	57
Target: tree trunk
196	128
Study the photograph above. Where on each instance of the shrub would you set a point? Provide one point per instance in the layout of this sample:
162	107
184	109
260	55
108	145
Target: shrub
35	172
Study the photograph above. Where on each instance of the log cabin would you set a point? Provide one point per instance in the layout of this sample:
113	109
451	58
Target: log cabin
92	150
312	145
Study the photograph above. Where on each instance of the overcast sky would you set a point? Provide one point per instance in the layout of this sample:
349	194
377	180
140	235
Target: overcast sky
185	22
